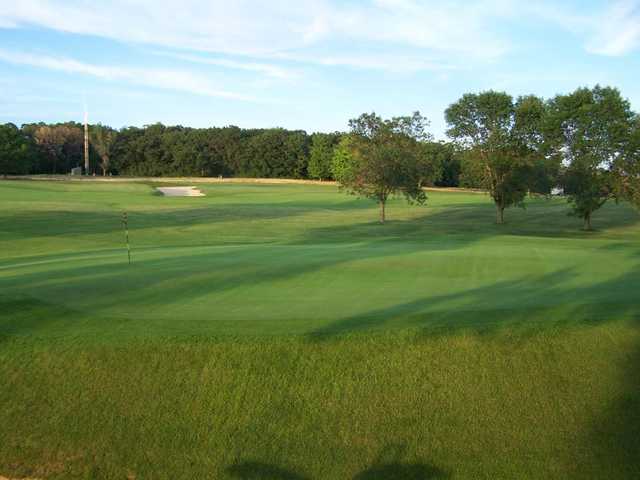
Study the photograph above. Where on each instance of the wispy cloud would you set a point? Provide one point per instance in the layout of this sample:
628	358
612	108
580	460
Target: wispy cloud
386	62
414	34
274	71
263	29
611	30
156	78
617	32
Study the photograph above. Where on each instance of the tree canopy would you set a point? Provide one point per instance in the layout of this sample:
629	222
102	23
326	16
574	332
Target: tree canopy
321	155
380	158
502	143
16	150
590	131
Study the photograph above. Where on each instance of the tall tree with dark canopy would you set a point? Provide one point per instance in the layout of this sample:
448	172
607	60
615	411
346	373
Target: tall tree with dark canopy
447	159
380	158
102	140
61	145
590	130
502	142
16	150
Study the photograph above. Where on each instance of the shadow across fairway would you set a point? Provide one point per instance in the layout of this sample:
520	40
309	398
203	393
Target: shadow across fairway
524	305
185	276
473	222
46	223
22	315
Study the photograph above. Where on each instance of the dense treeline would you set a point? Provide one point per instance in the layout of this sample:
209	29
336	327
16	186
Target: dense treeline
586	143
159	150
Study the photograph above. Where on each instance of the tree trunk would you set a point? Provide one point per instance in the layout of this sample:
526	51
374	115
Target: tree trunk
587	221
382	213
499	214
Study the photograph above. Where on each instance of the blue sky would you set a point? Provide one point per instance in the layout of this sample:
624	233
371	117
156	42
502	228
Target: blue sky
301	64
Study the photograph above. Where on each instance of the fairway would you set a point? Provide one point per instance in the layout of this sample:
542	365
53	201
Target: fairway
279	331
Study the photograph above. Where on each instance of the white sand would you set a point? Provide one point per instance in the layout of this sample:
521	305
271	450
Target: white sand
180	192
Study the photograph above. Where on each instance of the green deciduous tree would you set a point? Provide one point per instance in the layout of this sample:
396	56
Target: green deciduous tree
102	141
447	161
628	167
502	144
321	155
380	158
16	150
61	144
590	130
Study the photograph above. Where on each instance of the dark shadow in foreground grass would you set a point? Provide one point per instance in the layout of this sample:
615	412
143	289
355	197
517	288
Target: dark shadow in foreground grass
613	440
252	470
388	466
402	471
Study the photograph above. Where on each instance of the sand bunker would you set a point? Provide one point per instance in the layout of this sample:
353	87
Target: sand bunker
180	191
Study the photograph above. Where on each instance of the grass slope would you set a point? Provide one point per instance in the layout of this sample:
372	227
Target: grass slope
279	332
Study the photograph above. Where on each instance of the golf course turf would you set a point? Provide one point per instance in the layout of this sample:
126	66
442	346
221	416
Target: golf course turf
280	332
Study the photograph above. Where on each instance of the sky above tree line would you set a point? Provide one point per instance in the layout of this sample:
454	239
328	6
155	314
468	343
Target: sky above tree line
309	64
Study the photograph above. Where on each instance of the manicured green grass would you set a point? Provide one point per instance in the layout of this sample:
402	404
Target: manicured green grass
280	332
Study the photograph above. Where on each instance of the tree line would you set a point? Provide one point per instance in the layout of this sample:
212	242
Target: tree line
159	150
585	143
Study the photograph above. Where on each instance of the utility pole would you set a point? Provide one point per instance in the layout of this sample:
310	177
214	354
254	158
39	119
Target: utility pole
86	142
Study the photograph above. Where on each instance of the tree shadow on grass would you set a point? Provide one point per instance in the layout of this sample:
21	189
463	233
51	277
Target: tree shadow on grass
474	222
188	276
524	305
184	275
59	223
26	315
388	466
527	302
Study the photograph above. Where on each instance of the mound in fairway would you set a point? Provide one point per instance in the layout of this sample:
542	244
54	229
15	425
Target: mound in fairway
280	330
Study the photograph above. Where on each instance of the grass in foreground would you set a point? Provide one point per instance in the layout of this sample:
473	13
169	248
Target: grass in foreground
279	332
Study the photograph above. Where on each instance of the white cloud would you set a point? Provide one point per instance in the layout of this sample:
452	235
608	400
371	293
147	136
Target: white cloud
156	78
617	32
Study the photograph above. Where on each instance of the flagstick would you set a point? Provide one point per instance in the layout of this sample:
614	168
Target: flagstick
125	225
